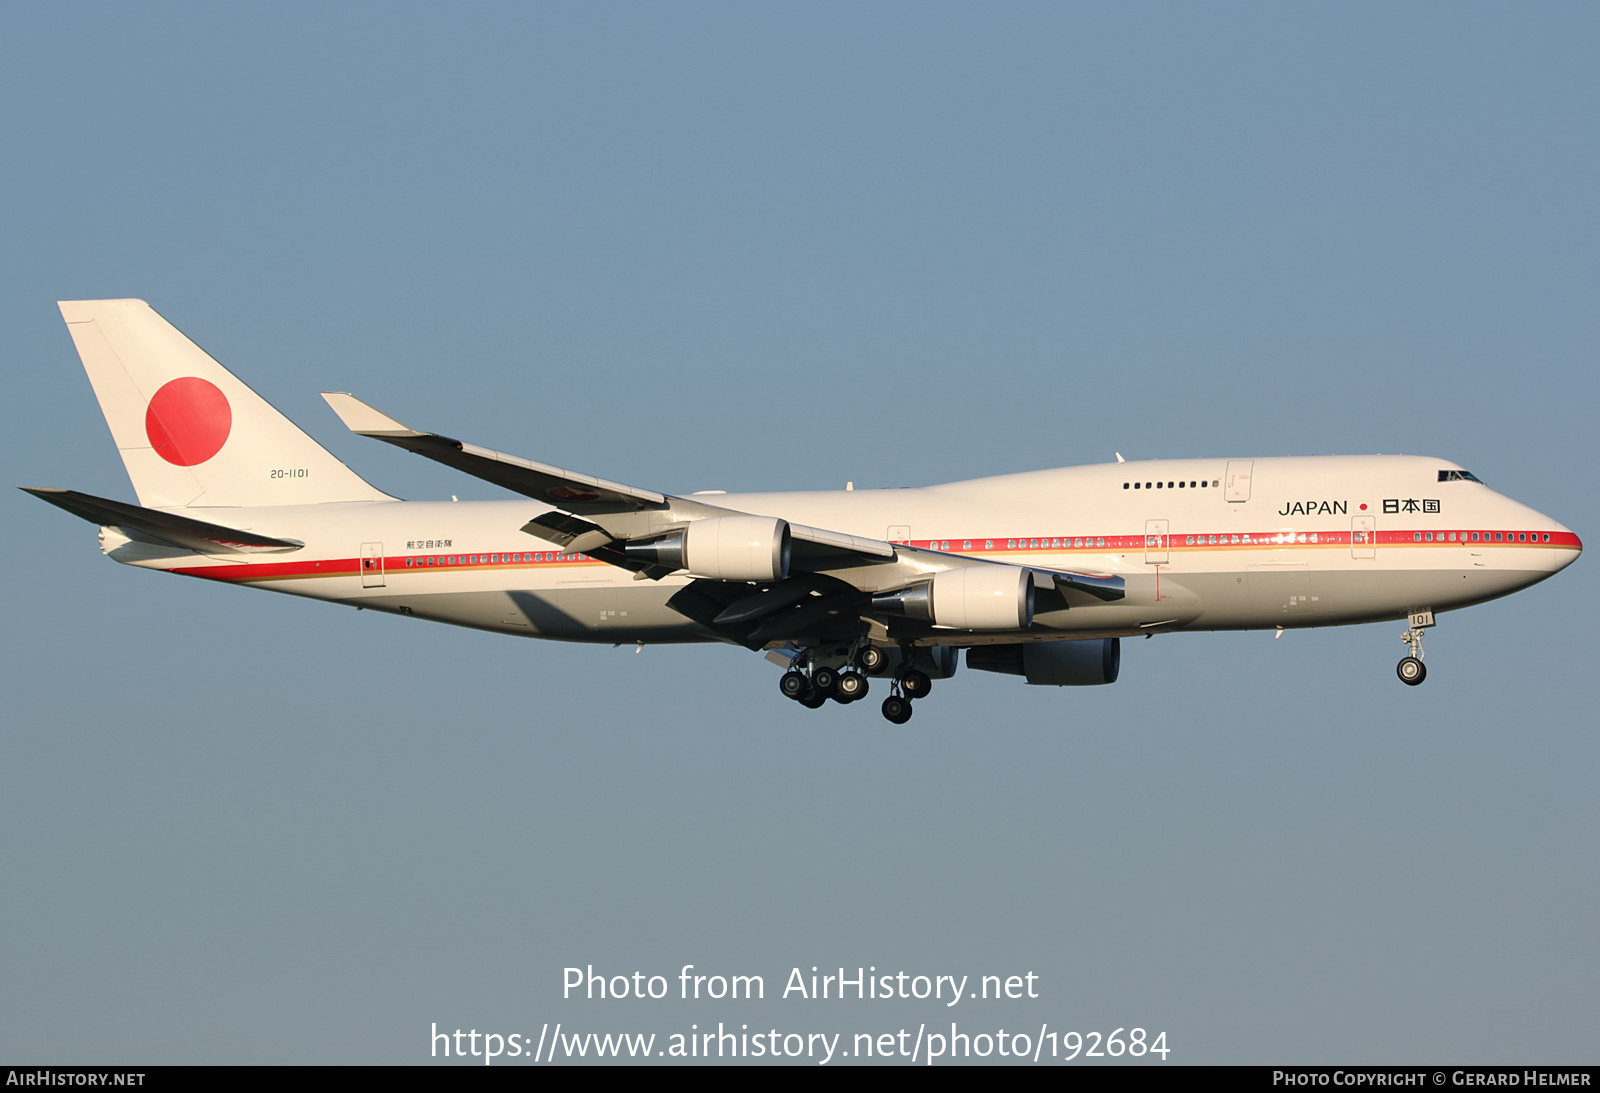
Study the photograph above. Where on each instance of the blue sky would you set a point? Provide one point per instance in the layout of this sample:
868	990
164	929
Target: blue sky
720	246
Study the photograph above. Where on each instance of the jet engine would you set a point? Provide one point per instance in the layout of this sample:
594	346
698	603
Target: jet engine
972	597
724	548
1052	663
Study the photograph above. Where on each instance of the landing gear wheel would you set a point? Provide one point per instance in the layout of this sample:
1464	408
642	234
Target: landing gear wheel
872	660
794	685
851	686
897	710
916	684
814	701
1411	671
825	680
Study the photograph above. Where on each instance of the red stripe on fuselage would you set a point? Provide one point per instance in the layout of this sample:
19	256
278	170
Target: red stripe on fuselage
409	564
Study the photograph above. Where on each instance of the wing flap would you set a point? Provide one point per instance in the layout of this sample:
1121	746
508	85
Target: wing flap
821	542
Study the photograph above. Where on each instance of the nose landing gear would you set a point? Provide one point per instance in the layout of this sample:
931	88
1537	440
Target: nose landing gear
1411	670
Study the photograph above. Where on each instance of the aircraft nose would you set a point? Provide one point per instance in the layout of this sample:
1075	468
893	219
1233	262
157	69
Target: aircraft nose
1568	547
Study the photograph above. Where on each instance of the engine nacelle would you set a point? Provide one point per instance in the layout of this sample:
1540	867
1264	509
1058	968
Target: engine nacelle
1052	663
724	548
971	597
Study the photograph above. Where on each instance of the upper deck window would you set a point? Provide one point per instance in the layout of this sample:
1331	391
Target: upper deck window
1459	476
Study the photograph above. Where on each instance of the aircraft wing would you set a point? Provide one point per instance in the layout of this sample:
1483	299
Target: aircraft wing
562	489
832	579
579	494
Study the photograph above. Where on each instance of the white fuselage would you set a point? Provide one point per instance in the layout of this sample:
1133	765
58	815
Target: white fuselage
1282	542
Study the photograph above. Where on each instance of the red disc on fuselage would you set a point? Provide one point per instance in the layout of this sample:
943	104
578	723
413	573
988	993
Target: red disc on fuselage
188	421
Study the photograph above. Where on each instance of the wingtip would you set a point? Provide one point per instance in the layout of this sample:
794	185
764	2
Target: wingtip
82	311
362	419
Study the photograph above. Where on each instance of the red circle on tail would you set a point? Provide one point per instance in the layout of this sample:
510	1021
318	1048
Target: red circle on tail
188	421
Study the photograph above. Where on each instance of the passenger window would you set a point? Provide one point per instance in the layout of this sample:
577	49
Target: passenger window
1416	536
988	544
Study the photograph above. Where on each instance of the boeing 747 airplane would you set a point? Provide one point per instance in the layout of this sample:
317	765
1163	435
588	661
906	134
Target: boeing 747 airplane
1038	574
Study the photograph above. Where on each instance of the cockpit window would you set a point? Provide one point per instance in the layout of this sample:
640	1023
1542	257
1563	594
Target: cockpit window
1458	476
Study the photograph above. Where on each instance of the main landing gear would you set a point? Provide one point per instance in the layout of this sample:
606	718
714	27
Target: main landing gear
1411	670
813	689
812	684
906	686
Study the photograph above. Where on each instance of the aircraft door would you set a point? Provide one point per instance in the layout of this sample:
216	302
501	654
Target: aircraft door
1155	542
1363	536
1236	482
371	565
899	533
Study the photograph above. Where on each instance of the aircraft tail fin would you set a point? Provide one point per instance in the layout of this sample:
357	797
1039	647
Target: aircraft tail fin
190	434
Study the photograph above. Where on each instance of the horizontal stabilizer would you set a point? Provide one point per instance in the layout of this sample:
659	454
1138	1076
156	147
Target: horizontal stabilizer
161	527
